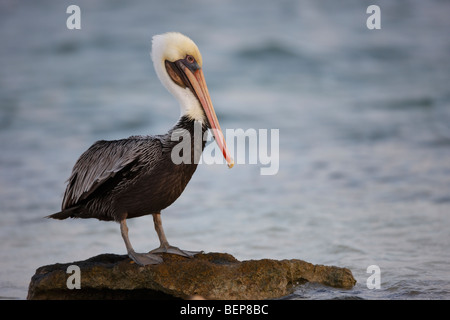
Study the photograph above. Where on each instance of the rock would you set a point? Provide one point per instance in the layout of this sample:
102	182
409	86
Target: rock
211	275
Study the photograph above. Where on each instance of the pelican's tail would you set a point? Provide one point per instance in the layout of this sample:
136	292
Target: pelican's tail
72	212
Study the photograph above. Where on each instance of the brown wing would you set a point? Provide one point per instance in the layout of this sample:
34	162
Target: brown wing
102	161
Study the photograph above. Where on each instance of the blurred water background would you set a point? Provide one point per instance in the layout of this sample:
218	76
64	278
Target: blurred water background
363	117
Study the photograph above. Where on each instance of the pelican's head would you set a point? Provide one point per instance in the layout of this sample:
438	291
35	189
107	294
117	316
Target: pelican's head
178	64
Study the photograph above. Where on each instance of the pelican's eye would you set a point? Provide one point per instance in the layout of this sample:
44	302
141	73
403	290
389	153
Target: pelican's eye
190	59
190	62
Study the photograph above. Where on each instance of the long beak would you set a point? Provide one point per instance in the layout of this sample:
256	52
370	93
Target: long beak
198	83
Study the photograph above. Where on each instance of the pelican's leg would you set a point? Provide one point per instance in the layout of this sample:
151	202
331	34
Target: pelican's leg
165	247
140	258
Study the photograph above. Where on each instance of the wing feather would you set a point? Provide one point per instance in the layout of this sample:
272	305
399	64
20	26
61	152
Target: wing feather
102	161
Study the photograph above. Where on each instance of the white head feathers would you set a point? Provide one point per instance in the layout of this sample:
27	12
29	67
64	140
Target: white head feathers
173	46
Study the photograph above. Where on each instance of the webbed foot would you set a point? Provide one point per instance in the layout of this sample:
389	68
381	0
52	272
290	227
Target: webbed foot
144	259
175	250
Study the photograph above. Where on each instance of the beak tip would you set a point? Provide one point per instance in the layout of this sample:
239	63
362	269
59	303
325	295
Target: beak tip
231	164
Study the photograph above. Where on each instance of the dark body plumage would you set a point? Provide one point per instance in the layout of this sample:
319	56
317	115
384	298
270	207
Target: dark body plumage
128	178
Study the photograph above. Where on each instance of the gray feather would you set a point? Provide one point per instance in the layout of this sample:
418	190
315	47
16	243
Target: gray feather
102	161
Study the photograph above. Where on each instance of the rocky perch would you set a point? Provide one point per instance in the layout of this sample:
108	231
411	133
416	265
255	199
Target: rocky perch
211	275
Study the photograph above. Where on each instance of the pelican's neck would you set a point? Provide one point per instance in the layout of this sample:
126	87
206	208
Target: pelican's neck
192	126
186	134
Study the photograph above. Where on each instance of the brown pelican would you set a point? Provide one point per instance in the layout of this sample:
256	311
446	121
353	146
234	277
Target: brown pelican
129	178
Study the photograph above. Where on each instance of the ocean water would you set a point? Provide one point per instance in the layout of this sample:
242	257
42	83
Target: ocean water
364	134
